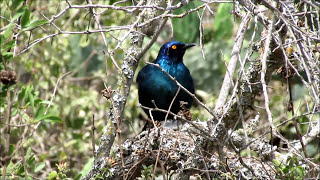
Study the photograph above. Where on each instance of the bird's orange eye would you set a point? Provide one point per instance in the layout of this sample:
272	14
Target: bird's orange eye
174	47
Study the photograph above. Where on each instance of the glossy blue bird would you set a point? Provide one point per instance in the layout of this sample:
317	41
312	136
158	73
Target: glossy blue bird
155	85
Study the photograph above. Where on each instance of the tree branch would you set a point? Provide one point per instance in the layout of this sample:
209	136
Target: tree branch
235	55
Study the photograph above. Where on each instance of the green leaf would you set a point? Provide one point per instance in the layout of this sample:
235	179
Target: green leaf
291	162
22	94
6	55
31	160
186	29
2	39
77	135
40	116
11	149
30	95
52	175
112	1
14	112
8	32
39	167
77	123
10	165
25	18
223	23
297	173
34	24
28	153
16	4
29	178
276	162
19	13
78	177
87	167
45	102
52	118
9	45
19	169
6	35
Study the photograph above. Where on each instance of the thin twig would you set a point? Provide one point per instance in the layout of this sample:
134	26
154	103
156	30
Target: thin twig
8	132
92	137
102	35
263	73
55	90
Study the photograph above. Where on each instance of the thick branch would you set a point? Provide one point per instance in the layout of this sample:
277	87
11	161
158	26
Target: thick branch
119	99
235	55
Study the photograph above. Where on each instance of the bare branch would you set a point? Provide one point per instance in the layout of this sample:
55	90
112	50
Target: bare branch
235	55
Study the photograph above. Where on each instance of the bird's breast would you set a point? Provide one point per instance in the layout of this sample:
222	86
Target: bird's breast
175	70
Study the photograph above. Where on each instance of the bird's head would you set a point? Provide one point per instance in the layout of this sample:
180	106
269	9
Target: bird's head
174	50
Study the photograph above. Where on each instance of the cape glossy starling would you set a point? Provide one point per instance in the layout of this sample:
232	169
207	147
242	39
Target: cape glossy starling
155	85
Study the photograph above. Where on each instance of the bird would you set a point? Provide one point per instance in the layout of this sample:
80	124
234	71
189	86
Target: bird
157	89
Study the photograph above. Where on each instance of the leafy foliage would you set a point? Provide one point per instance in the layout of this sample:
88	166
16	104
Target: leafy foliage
56	98
290	170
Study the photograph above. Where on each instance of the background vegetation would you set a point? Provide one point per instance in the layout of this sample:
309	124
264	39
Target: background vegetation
52	75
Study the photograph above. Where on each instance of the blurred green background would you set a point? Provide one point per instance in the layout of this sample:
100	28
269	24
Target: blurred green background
64	133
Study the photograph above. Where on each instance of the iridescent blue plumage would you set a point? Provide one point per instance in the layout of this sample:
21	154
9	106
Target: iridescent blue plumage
153	84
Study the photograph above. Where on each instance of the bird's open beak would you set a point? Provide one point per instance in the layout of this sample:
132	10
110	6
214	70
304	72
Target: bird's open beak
186	46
